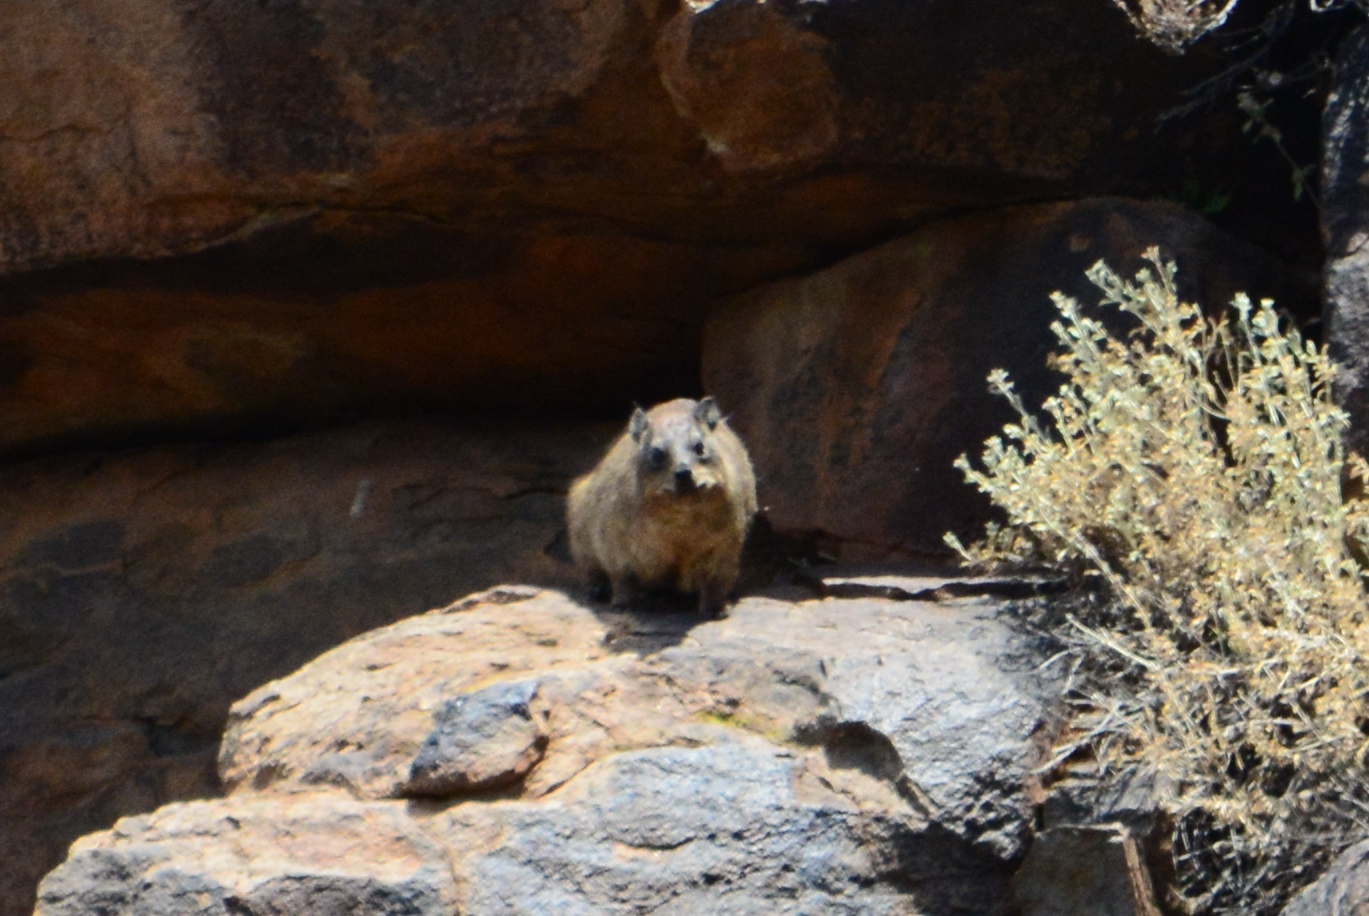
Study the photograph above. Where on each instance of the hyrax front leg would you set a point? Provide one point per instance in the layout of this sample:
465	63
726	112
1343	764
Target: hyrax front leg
626	590
600	589
713	597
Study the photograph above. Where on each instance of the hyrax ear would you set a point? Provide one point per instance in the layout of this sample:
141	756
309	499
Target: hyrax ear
707	413
637	425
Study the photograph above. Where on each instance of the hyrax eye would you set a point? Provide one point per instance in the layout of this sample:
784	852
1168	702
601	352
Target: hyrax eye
655	457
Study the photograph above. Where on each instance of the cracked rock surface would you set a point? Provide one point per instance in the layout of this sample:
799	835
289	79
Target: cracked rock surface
830	756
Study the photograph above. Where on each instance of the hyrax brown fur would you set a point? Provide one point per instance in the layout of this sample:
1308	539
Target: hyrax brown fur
667	507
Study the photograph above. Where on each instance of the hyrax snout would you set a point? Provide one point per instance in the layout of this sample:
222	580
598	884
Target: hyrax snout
667	507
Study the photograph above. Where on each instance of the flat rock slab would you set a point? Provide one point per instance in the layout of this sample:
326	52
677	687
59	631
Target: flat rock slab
843	756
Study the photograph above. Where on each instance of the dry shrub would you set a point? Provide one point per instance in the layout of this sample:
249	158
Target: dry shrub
1175	24
1193	470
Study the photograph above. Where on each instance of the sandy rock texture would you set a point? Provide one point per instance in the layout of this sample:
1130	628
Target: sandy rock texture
840	755
145	592
877	365
224	217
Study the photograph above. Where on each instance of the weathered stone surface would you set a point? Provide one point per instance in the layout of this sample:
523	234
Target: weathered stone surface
256	855
1080	795
735	827
223	217
856	388
755	80
920	687
155	128
1085	871
1342	891
366	709
1345	224
845	756
933	685
1104	840
145	592
903	727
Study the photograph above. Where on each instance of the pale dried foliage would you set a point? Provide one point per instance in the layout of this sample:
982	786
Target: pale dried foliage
1193	468
1175	24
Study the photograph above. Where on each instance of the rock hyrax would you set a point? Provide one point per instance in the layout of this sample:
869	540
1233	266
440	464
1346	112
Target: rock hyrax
667	507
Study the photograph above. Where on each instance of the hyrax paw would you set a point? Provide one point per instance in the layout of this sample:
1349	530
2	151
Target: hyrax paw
713	605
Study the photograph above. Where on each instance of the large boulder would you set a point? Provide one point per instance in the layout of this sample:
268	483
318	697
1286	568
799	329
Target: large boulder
848	756
857	387
221	216
145	592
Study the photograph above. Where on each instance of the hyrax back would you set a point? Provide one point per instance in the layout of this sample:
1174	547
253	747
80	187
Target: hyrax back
668	506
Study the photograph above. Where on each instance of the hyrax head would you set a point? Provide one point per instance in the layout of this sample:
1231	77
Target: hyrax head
676	448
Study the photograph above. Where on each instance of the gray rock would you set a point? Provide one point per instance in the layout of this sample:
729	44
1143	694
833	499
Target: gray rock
960	727
291	895
1345	225
728	829
942	686
105	881
1342	891
483	740
936	700
1133	799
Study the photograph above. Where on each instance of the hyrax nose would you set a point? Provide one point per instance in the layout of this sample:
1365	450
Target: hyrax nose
684	480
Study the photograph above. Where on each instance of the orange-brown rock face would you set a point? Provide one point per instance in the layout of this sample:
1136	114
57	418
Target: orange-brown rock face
162	127
310	331
222	216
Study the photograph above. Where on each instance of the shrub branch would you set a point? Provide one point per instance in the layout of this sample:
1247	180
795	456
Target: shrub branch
1194	469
